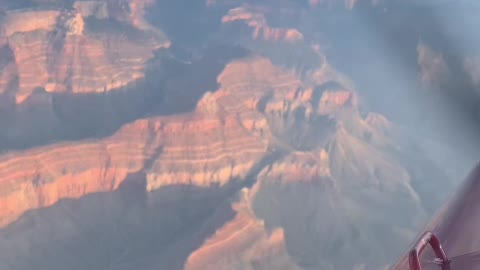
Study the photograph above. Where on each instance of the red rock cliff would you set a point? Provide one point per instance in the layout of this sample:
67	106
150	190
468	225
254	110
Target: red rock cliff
261	29
59	51
218	142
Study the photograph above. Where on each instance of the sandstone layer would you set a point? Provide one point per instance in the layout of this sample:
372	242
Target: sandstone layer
261	30
263	126
72	51
223	139
212	145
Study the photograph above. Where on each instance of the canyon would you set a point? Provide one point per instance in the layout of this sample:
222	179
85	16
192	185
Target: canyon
126	143
72	51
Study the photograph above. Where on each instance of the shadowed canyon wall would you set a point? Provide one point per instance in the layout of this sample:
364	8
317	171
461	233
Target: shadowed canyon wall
225	134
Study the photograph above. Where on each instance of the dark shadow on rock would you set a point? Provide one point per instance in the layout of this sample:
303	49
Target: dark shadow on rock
169	87
320	89
125	229
321	233
288	205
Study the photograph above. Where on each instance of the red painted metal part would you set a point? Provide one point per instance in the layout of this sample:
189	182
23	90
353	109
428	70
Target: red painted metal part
456	227
427	238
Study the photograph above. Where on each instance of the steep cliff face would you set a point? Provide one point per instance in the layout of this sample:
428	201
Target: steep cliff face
255	106
64	62
262	124
260	28
160	147
243	242
73	51
212	145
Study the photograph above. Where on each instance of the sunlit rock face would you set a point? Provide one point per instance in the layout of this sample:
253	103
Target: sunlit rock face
81	50
213	135
242	243
260	28
261	123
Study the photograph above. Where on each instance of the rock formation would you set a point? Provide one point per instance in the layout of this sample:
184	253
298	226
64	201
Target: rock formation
261	30
275	164
244	241
262	123
224	148
67	51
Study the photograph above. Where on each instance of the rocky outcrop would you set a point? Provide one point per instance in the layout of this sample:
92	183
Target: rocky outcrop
243	241
299	167
256	106
262	127
218	142
160	147
29	21
331	188
41	177
261	29
221	150
63	52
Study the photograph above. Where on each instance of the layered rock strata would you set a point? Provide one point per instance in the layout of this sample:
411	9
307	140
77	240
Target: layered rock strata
72	51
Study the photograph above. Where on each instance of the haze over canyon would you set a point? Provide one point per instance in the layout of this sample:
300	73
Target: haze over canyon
221	134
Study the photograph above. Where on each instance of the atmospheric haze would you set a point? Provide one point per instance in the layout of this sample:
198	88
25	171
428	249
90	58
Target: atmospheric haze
220	134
